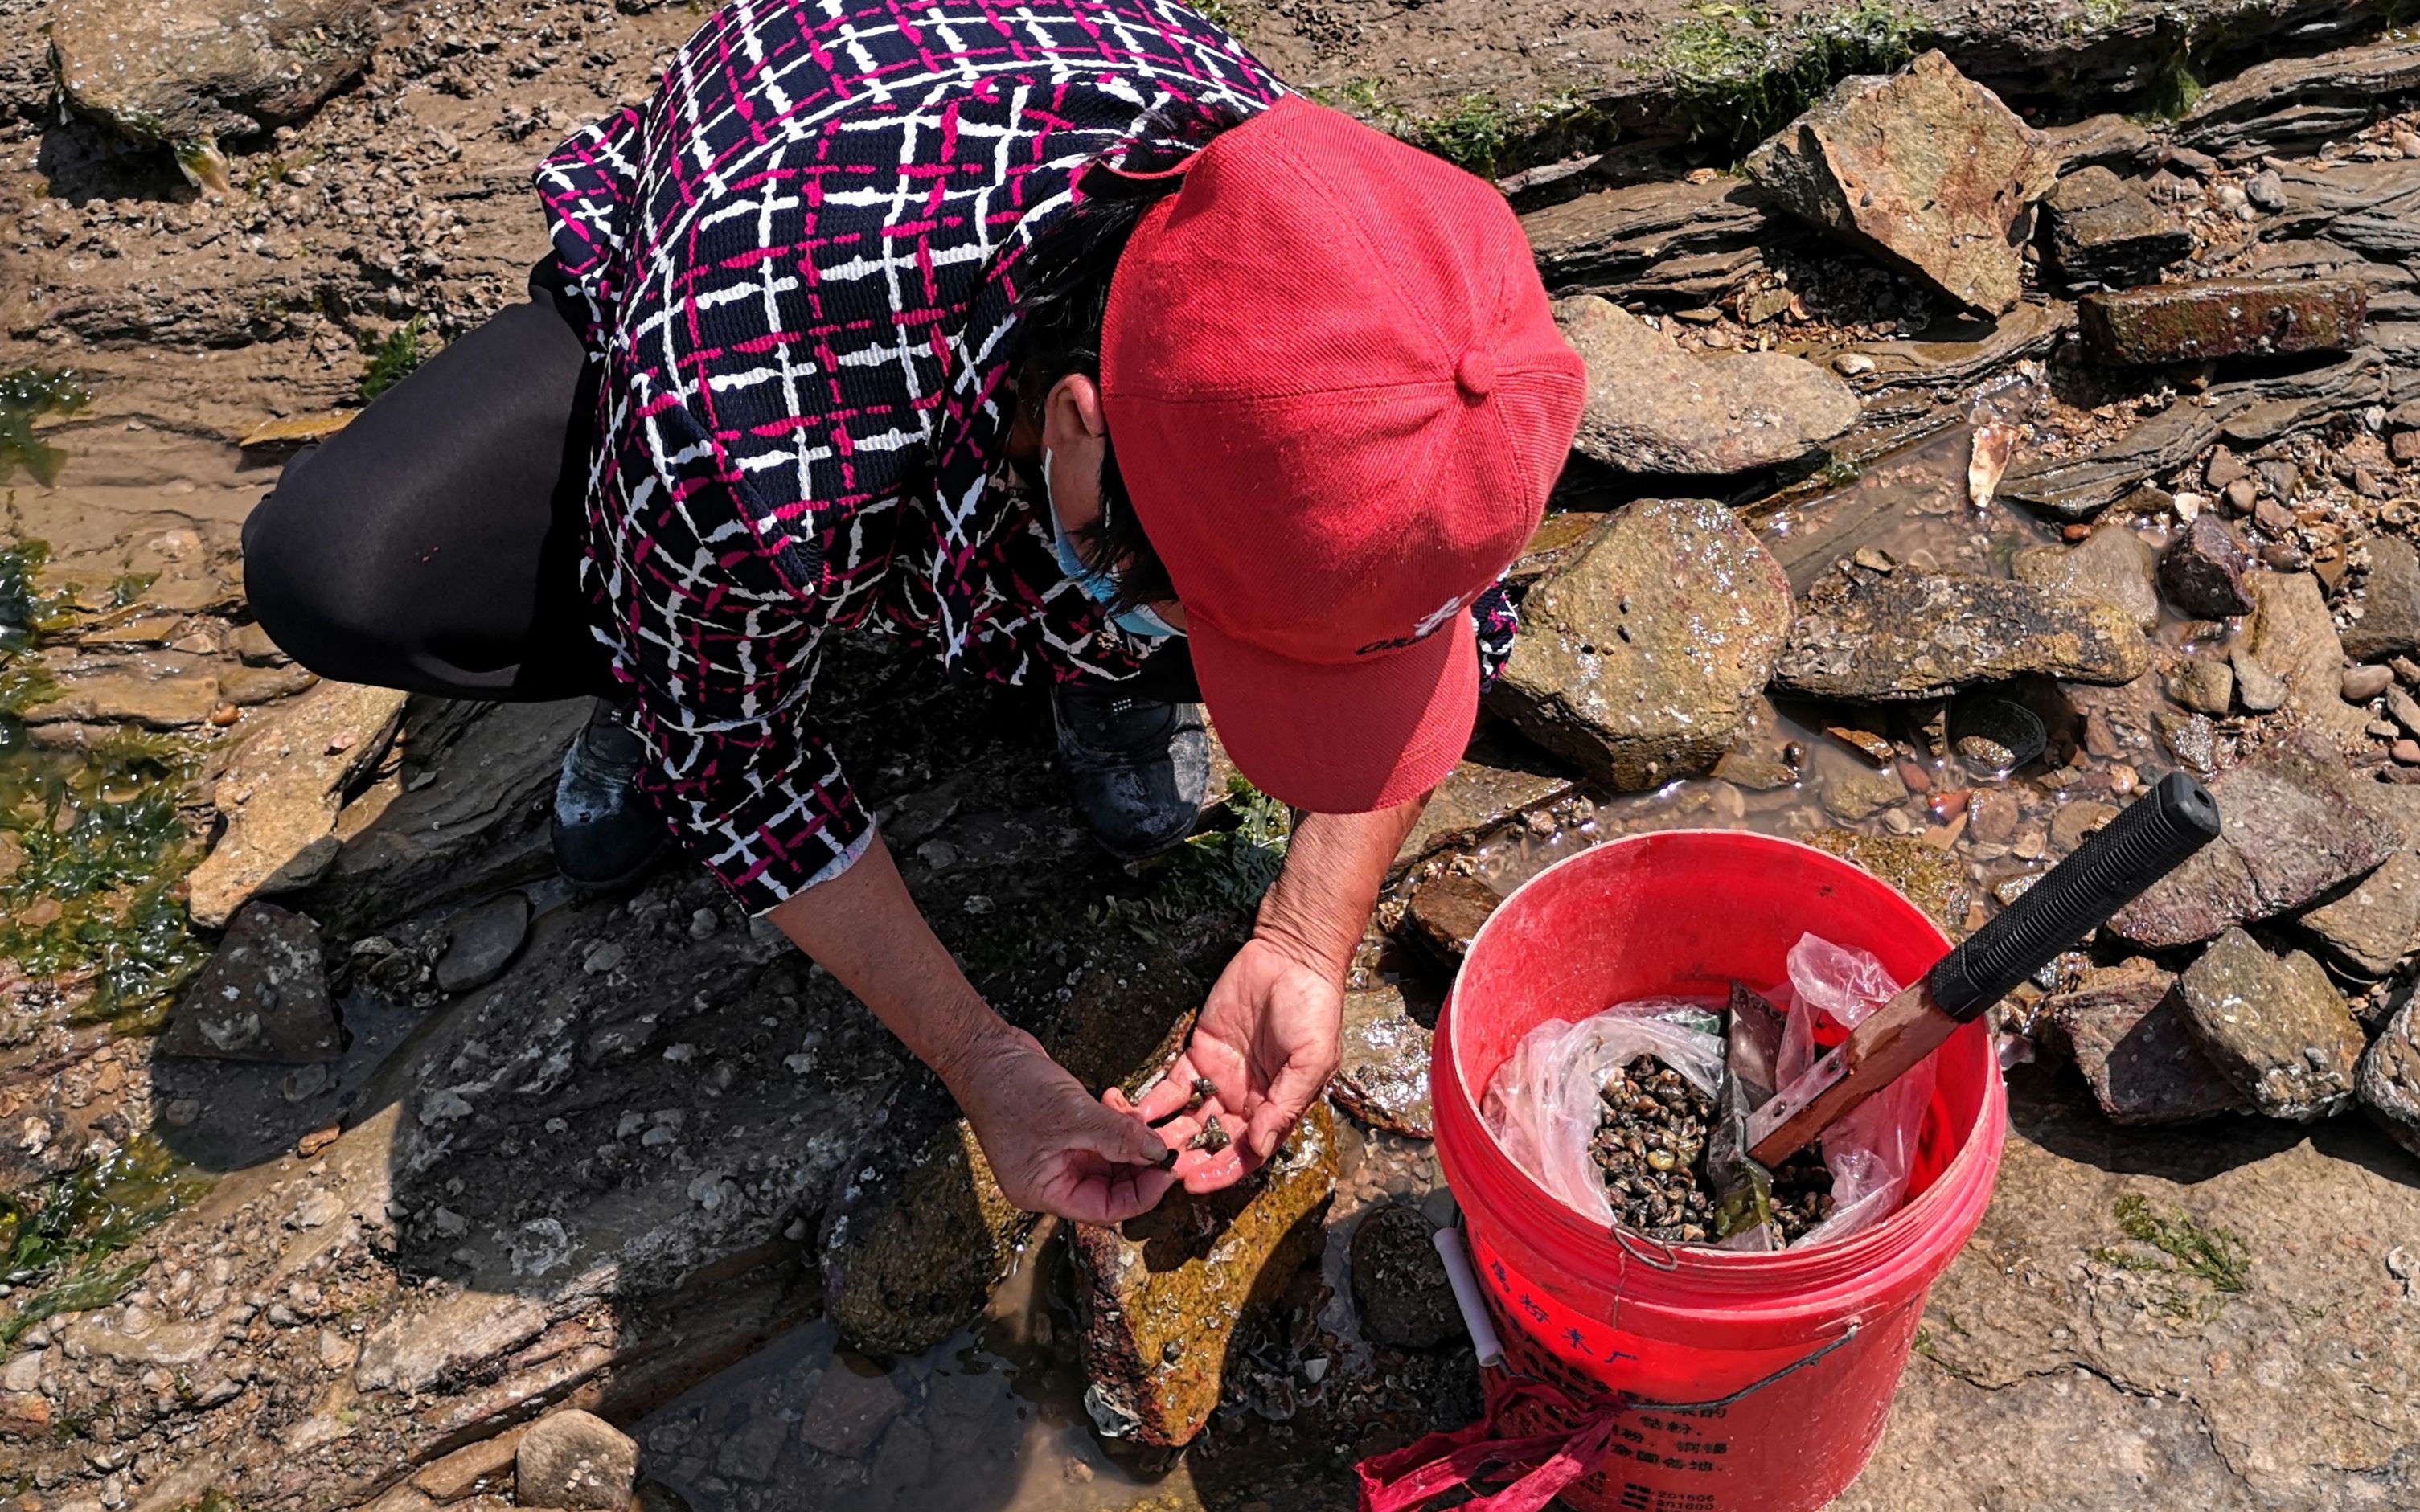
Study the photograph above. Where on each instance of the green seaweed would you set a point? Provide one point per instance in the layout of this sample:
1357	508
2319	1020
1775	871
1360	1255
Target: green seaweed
2181	1247
56	1241
1739	72
26	395
1218	875
392	359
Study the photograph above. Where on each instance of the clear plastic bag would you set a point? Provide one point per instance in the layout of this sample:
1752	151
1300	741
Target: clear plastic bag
1542	1104
1871	1152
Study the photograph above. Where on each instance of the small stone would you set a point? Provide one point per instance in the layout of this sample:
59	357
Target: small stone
2266	191
1399	1281
2242	496
262	997
483	942
2277	1028
224	715
1852	791
601	957
1382	1080
1853	364
2362	684
2223	317
1757	774
1445	912
2076	820
2204	684
1992	816
2113	565
2223	468
2283	479
2257	688
2390	600
2406	751
2202	570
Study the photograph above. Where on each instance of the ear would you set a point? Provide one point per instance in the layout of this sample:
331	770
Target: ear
1071	415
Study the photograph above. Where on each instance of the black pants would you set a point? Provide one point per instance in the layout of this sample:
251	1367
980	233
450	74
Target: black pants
434	544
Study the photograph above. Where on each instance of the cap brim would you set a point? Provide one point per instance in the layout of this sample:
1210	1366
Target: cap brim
1344	739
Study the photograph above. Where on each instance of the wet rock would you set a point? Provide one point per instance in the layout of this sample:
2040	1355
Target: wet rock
1931	879
1399	1282
2075	821
1496	780
916	1238
2301	100
1911	636
2390	602
187	74
482	943
130	697
1640	660
1160	1297
1757	774
2291	826
245	687
252	647
281	793
263	996
2128	1036
2104	229
575	1460
2204	684
1854	790
2277	1028
2389	1080
1925	169
2191	738
2294	637
1992	816
1382	1080
2362	684
1653	408
2202	570
852	1406
2113	565
2223	317
1445	914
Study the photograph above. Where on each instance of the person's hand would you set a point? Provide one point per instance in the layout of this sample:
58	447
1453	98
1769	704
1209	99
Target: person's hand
1051	1147
1268	1038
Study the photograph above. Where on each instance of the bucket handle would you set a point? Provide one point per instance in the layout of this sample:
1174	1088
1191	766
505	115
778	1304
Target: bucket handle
1633	1244
1548	1462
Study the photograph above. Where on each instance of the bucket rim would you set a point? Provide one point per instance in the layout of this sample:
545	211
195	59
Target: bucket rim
1731	1281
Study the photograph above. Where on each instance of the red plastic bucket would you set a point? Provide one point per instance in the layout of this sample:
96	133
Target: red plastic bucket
1715	1381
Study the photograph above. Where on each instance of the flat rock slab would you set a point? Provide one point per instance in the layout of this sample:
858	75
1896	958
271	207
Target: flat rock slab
1909	636
1382	1080
1926	169
1932	880
2389	1082
2104	229
125	697
1640	658
2113	565
1654	409
1161	1296
1496	780
2129	1039
262	997
2291	826
2369	929
189	70
1445	914
2223	317
2293	636
1399	1281
281	792
1671	238
2277	1028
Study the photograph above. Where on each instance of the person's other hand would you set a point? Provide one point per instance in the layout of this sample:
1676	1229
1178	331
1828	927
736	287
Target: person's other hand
1051	1147
1268	1038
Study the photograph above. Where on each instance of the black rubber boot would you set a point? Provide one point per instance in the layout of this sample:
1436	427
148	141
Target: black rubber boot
606	833
1136	768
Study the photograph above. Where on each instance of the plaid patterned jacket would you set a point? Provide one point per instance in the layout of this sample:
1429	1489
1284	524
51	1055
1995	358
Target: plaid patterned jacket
800	262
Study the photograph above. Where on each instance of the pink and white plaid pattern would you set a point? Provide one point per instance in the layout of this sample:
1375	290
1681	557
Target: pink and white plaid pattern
800	262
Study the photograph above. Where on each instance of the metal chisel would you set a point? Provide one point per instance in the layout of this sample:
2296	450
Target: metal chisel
2146	842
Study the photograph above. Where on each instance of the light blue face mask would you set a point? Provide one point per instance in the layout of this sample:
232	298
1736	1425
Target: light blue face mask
1095	584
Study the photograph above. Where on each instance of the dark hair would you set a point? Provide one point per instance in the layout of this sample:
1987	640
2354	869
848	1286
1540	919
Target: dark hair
1063	296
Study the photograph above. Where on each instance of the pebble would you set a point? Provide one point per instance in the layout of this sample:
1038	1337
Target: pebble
224	715
1853	364
603	957
2257	688
2362	684
2406	751
2267	191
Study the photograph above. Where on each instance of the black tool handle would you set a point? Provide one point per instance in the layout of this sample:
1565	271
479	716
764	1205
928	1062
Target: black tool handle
2113	866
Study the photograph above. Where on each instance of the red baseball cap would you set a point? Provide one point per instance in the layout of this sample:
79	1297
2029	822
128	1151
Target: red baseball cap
1338	401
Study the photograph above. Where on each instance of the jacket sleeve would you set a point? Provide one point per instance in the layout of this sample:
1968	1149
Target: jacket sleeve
716	628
